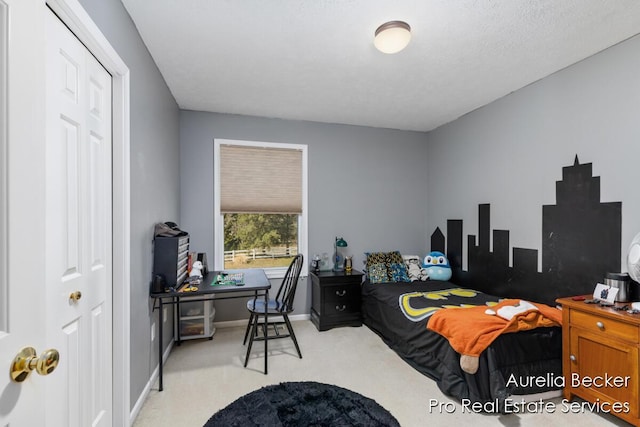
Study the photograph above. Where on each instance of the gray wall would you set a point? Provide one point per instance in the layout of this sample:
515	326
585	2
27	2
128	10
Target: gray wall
511	153
365	184
155	174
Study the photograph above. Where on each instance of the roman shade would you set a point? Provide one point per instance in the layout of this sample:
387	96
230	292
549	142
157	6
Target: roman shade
260	180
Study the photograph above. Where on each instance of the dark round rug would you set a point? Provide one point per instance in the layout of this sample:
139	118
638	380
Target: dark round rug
302	404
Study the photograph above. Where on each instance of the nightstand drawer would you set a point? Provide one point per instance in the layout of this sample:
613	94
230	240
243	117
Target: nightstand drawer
341	294
341	307
603	325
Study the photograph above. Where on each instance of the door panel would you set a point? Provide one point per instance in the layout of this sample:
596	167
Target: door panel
70	349
600	357
4	40
78	243
22	303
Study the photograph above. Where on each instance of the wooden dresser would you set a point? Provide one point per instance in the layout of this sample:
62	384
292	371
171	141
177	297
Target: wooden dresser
600	358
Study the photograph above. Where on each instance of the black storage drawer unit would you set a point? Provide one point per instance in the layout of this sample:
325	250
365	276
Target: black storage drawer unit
170	256
335	299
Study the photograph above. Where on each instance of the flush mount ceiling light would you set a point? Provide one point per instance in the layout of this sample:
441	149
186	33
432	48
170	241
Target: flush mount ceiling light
392	36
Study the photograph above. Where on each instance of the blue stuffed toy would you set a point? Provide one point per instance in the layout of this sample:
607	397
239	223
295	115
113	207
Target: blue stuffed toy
437	266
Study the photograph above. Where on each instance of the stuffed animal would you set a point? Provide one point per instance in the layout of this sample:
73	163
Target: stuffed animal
196	269
414	269
437	266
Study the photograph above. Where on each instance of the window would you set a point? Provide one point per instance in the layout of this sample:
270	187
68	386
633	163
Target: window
260	212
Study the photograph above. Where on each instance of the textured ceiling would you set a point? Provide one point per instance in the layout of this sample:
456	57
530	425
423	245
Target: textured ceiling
315	59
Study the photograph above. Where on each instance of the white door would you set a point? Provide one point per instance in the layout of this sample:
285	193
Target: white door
78	264
22	303
55	218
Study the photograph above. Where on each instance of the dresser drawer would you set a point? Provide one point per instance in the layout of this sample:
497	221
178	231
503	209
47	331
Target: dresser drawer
603	325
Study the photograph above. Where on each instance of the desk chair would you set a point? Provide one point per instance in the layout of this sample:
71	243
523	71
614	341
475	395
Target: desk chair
282	305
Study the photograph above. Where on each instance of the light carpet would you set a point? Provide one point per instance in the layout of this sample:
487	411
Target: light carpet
202	377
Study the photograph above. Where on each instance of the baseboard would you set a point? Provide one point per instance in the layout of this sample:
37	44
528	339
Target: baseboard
243	322
147	388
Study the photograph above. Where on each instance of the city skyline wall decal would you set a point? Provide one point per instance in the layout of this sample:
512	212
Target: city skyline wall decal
581	239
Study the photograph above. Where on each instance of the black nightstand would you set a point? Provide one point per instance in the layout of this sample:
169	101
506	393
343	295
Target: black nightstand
335	299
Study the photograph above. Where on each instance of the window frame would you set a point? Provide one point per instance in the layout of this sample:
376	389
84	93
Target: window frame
218	217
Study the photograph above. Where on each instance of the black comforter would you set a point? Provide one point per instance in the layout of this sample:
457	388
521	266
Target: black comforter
506	367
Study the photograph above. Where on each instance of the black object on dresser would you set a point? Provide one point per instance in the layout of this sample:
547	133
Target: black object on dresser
335	299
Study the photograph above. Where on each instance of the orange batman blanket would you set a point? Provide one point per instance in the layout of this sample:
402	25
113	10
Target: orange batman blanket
471	330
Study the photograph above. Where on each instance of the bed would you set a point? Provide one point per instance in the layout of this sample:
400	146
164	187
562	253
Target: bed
521	363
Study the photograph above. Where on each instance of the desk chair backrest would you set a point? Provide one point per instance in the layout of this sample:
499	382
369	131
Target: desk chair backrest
287	290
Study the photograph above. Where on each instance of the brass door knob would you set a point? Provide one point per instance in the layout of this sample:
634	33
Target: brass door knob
75	296
27	361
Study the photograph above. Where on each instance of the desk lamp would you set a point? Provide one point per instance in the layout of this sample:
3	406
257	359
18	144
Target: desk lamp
338	254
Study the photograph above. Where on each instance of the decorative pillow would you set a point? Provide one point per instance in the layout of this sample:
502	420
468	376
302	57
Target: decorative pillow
396	268
386	267
398	273
377	267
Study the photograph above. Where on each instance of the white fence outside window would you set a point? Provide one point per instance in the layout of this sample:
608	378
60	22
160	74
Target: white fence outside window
246	254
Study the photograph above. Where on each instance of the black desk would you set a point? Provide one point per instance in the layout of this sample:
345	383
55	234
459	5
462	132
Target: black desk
255	285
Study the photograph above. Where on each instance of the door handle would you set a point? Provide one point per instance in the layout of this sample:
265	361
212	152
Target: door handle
75	296
26	361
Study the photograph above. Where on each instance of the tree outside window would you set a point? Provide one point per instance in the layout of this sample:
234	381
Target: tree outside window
259	240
